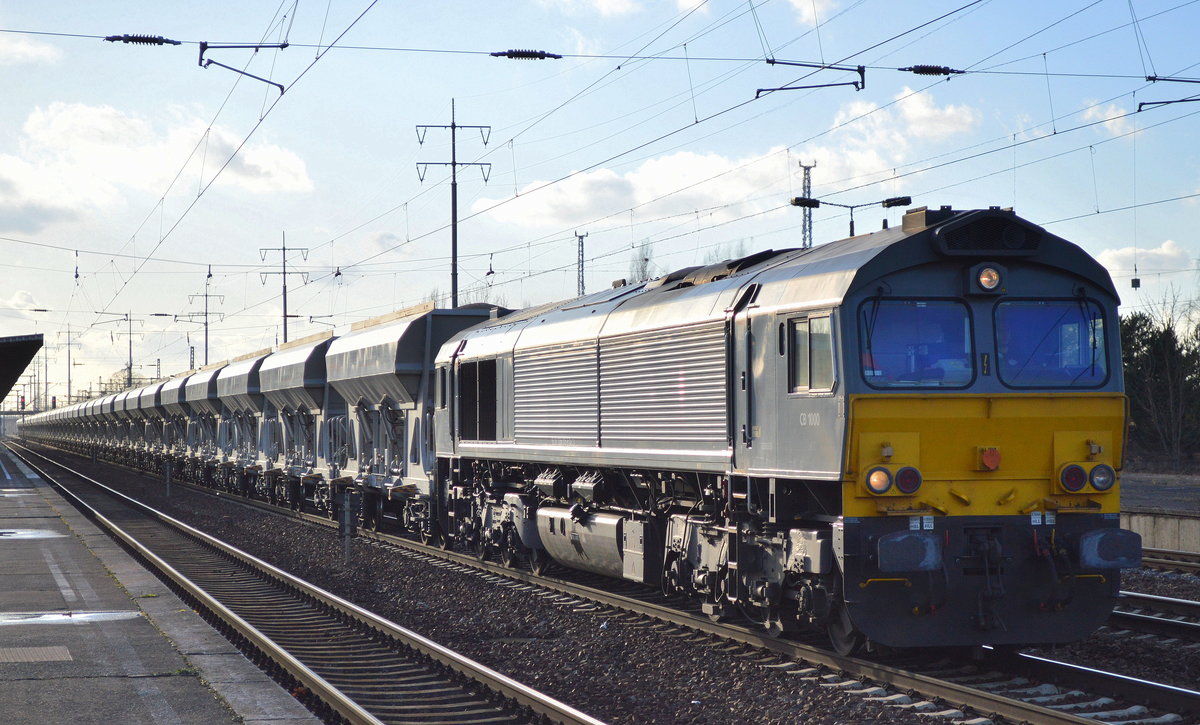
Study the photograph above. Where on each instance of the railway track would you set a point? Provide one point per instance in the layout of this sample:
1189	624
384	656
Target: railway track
1167	559
1160	616
346	664
1018	687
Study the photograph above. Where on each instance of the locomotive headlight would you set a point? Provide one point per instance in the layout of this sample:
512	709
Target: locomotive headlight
908	480
1102	477
879	480
1072	478
989	278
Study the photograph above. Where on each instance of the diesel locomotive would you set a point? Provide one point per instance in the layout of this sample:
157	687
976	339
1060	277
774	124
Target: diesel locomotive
911	437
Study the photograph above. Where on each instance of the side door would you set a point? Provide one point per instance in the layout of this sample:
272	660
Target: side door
745	428
808	420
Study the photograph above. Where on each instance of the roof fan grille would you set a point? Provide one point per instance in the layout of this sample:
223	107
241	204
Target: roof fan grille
992	235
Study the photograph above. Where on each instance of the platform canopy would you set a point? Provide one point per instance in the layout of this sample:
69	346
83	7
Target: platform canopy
15	355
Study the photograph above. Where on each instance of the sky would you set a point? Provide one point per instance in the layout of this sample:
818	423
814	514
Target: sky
129	171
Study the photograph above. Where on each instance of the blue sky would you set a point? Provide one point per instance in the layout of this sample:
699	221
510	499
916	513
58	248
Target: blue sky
138	168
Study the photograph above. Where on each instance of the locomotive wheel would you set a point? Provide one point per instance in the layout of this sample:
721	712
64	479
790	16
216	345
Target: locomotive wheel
717	596
774	628
511	550
846	640
539	561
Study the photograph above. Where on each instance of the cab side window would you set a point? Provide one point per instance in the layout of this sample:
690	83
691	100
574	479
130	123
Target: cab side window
809	348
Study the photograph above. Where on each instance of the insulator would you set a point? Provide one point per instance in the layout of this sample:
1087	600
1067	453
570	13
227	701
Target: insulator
931	70
525	54
142	39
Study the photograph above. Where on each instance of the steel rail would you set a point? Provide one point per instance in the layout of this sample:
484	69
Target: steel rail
1177	699
327	693
1165	696
1166	605
928	686
1162	622
520	693
1186	561
1159	626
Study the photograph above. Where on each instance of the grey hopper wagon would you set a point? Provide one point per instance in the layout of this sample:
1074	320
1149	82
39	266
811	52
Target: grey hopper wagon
200	391
293	378
238	384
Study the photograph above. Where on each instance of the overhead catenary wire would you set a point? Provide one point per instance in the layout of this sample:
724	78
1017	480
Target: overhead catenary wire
234	155
514	165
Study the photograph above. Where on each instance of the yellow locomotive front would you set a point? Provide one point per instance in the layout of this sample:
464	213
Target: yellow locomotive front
985	431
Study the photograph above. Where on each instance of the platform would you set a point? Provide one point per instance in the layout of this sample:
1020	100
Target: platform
1169	492
87	635
1164	508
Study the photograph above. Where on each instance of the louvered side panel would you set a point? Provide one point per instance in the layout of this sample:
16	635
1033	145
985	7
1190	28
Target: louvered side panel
665	387
555	391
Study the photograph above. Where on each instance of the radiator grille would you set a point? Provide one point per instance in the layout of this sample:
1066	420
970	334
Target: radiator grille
665	387
555	390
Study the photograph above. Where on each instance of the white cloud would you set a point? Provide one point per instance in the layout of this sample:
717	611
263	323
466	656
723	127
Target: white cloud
19	300
397	246
812	11
1115	117
871	144
1170	256
924	119
596	193
868	142
19	306
607	8
73	155
582	43
15	50
1025	128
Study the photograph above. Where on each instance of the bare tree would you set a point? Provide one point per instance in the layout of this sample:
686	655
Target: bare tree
640	264
483	293
724	251
1161	356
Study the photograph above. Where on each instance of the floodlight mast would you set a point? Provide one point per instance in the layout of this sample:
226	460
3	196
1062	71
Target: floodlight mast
806	202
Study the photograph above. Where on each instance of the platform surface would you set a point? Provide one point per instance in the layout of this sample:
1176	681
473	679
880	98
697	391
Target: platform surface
87	635
1165	492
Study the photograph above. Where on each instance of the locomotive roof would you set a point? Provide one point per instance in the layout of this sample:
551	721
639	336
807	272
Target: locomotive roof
821	276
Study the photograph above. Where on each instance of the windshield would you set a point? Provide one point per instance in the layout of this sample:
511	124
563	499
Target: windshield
916	343
1050	343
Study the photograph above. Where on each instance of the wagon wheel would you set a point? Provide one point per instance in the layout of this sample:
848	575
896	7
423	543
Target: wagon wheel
372	511
482	549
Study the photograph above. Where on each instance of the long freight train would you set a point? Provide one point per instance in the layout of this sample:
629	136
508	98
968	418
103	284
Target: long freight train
911	437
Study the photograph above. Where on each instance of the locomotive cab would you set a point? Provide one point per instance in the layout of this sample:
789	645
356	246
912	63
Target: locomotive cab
985	437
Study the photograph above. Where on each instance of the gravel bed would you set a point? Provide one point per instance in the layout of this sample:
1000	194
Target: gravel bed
613	670
584	658
1127	653
1161	583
